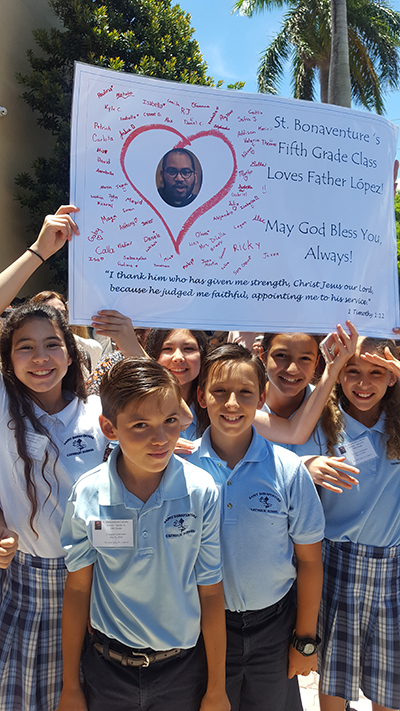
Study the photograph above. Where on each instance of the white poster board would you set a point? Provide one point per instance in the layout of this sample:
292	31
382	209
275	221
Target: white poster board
284	223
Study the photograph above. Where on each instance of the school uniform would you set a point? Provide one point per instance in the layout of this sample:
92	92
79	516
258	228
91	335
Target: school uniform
360	611
148	560
190	432
268	502
32	587
300	449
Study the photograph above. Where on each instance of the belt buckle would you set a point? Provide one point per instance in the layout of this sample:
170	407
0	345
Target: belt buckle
146	662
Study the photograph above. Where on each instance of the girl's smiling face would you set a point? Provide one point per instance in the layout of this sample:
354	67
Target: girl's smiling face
180	354
364	385
40	359
290	362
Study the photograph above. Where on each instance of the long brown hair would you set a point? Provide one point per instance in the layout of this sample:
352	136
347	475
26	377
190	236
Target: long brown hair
154	343
20	402
332	420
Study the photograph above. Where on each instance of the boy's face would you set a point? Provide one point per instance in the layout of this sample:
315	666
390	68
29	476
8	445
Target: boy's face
147	432
231	396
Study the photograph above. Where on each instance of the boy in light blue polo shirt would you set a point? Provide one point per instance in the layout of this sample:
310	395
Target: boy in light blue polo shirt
270	511
141	534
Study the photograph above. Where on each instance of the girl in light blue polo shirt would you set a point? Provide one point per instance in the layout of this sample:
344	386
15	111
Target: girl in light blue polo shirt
360	612
290	361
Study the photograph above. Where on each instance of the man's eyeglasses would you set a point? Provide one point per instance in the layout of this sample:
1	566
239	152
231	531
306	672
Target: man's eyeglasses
173	172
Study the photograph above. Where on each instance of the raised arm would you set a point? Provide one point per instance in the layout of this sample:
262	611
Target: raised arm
298	429
56	230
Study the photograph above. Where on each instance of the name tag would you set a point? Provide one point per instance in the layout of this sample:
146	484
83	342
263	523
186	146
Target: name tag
36	444
356	452
117	533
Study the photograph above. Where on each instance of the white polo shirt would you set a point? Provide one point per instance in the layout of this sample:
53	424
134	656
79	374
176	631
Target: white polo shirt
369	512
81	444
145	580
268	502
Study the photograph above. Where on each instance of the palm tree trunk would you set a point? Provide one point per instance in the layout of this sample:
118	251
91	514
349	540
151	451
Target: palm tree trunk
324	82
339	74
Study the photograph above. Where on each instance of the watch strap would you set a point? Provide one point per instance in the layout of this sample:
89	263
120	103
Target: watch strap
301	644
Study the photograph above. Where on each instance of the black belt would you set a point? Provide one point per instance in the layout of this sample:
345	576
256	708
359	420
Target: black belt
137	659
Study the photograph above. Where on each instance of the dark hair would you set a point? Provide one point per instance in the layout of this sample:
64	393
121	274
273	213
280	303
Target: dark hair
231	352
44	296
269	337
179	151
154	343
267	342
332	420
132	380
20	398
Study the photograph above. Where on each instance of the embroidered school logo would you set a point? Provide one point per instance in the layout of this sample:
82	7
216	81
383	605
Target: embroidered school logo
78	445
179	525
263	502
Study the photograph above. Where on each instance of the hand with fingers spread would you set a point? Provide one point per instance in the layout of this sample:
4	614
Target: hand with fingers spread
331	472
342	347
389	361
113	324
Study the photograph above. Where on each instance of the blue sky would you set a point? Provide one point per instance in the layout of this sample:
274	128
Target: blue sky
232	44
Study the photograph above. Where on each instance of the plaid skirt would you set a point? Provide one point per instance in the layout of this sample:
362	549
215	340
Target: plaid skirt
30	633
359	623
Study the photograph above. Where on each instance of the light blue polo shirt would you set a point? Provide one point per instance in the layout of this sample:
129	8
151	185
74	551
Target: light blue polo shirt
190	432
369	512
268	502
145	594
300	449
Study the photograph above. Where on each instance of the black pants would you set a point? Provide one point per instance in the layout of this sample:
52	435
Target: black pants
176	684
257	659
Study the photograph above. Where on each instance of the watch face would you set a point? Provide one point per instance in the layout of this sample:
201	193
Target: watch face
309	649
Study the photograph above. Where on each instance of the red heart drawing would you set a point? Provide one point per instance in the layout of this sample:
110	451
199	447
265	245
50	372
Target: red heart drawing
184	142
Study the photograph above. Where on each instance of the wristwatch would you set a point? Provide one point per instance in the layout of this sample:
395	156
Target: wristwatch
306	646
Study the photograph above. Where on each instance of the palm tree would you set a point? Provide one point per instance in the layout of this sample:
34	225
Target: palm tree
305	40
339	89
